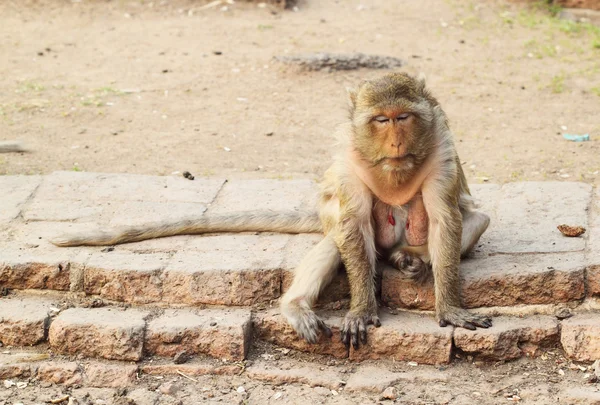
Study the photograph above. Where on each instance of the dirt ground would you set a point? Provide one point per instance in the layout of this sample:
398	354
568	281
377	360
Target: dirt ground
159	87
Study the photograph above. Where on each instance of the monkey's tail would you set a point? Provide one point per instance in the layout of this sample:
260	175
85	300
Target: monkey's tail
252	221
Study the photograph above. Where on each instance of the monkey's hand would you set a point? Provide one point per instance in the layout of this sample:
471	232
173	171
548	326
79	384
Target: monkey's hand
305	322
355	326
462	318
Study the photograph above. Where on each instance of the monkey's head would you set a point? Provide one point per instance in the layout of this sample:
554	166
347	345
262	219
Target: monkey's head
393	122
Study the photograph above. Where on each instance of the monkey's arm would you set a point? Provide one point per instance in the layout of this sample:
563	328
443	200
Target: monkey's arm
354	236
252	221
440	195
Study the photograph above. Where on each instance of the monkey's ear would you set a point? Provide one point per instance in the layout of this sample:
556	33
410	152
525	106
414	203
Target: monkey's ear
352	93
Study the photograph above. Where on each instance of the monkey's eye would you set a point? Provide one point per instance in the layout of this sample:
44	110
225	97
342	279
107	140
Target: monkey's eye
381	118
402	117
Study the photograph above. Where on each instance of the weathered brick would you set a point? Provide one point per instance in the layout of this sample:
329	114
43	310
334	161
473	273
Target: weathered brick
226	270
103	375
264	194
406	336
15	370
23	320
15	364
125	276
16	190
580	337
509	338
586	4
30	268
530	211
103	332
593	247
60	372
220	333
499	280
290	373
273	327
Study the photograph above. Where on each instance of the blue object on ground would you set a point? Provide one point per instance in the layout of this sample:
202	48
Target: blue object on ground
577	138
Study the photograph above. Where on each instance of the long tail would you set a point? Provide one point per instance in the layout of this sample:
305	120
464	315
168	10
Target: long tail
251	221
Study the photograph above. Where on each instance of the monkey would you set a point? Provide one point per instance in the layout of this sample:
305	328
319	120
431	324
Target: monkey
11	146
395	191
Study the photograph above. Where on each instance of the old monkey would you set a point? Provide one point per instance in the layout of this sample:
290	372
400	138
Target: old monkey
395	191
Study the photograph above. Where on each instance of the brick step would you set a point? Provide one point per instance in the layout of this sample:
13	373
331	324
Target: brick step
246	270
134	334
521	259
125	334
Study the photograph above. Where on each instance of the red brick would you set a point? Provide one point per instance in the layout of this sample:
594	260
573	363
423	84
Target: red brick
125	276
104	332
580	337
406	337
509	338
104	375
273	327
226	270
23	321
220	333
64	373
500	280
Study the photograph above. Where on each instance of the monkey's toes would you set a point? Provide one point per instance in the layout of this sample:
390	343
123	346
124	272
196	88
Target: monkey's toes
464	319
354	328
309	326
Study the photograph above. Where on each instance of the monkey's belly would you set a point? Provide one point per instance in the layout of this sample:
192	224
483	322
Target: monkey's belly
387	225
417	222
386	235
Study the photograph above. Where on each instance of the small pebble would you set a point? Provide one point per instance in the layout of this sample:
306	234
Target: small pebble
389	393
181	357
188	175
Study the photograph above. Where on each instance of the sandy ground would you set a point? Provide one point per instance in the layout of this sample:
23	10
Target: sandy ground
138	87
164	86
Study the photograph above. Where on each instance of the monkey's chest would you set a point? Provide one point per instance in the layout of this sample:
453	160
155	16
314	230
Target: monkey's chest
392	224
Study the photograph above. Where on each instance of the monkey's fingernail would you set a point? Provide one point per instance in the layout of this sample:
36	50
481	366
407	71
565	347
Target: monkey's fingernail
443	323
377	323
355	342
469	325
363	337
327	331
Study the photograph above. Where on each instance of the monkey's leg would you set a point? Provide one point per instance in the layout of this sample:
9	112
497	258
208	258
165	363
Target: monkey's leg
474	225
445	231
313	274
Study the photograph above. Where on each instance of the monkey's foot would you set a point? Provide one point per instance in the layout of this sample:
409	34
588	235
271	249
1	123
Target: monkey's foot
411	266
305	322
462	318
355	326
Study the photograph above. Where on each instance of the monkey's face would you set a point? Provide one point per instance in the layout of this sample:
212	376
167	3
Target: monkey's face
392	119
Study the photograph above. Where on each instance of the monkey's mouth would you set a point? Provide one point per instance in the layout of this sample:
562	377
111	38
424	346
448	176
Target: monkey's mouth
398	160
